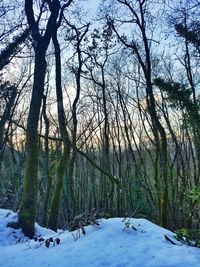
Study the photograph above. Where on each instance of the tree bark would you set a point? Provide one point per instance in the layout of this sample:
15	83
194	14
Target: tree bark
65	158
28	209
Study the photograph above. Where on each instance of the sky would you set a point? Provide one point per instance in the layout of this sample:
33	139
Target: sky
92	6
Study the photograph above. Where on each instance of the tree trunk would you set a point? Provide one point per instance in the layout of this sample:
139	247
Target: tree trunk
65	158
28	210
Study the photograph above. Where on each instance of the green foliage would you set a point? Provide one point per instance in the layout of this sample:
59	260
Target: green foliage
12	48
188	237
194	194
181	234
10	182
179	96
191	34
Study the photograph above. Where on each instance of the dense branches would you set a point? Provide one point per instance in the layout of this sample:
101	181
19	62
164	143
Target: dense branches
112	121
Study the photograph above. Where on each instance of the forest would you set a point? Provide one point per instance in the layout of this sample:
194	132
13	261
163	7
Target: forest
100	111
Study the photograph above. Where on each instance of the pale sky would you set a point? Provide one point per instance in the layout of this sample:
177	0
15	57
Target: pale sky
92	6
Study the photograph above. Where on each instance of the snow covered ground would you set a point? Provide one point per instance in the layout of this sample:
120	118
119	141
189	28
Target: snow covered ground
110	244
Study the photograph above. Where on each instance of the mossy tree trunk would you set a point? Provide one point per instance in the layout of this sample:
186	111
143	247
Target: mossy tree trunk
29	204
41	42
65	158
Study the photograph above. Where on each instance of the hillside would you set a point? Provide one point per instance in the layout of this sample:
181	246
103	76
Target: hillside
111	243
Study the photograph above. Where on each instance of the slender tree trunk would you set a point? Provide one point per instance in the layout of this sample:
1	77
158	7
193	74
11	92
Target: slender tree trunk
65	158
47	174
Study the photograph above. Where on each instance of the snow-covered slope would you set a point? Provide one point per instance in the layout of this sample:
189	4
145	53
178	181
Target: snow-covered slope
110	244
9	236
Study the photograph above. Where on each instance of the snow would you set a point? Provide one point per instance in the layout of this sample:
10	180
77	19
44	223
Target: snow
109	244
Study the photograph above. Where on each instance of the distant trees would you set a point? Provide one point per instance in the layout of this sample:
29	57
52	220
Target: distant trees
8	93
99	53
109	114
76	38
141	48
